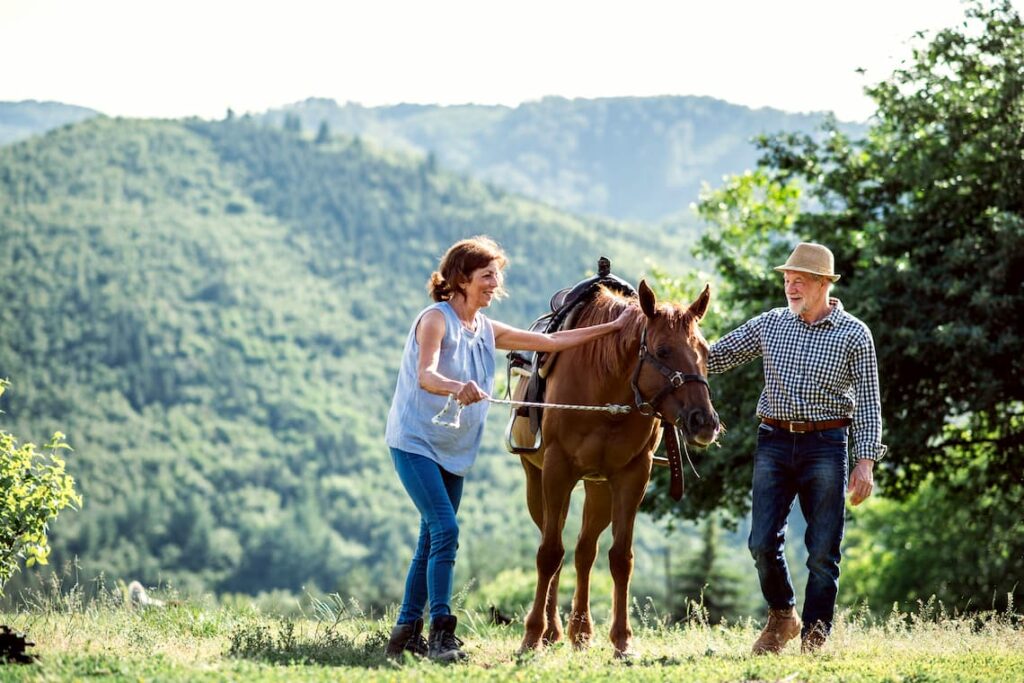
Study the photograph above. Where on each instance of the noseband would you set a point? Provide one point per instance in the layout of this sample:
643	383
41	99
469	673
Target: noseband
675	379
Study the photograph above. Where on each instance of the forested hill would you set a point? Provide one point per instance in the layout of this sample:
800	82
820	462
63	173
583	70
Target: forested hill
631	158
213	313
20	120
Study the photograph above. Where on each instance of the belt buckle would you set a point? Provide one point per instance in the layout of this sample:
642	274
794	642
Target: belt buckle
800	427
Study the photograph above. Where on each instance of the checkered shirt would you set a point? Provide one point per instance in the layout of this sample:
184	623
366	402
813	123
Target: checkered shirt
821	371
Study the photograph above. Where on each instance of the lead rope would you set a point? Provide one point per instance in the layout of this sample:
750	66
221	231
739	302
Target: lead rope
453	406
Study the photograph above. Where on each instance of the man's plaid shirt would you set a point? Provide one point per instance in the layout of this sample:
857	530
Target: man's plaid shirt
823	371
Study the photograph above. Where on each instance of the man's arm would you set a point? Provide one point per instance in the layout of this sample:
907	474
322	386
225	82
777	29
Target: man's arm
740	346
867	419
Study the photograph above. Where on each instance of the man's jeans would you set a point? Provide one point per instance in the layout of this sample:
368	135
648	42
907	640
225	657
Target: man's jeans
812	467
436	494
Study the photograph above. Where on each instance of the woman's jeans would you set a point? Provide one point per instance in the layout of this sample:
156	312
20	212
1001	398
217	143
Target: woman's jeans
813	468
436	494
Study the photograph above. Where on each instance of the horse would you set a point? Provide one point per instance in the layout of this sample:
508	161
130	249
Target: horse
658	362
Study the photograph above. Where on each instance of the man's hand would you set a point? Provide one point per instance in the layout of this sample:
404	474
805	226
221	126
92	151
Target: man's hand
862	481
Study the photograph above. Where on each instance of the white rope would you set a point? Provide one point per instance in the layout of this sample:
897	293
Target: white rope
453	423
612	408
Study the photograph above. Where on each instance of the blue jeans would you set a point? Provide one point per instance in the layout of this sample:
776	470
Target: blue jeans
436	494
813	468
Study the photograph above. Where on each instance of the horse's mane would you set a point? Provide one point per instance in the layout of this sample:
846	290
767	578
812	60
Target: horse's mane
612	353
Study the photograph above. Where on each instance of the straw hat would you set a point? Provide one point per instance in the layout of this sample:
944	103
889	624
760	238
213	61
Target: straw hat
811	258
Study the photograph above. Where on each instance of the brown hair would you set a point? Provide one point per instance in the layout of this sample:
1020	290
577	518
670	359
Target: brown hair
459	262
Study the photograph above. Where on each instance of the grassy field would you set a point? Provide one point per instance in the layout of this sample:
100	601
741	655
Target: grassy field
103	641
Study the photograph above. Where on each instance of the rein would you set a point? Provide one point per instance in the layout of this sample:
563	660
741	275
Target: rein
649	408
442	420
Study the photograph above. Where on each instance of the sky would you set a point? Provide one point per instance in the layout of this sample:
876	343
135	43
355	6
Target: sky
154	58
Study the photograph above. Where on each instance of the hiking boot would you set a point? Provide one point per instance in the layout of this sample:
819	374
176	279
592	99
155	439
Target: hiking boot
407	638
814	640
443	645
783	626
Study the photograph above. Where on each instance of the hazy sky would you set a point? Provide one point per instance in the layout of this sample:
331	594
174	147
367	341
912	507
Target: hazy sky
199	57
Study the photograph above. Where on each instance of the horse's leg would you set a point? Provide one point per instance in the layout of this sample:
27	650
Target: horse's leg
627	492
597	514
535	503
557	483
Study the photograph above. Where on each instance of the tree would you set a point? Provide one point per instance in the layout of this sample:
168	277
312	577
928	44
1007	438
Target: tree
704	580
323	134
926	218
33	491
292	123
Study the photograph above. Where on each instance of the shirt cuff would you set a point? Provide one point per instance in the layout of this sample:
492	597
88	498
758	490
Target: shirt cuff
876	452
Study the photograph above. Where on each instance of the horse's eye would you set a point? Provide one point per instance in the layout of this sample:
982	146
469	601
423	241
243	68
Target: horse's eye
663	352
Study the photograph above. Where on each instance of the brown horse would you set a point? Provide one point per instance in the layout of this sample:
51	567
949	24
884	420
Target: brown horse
611	453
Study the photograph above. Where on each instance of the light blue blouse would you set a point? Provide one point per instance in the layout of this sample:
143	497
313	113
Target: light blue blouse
464	356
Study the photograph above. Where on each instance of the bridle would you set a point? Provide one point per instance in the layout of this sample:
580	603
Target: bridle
675	379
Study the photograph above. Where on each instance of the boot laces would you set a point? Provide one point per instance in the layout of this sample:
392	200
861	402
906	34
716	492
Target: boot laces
450	641
417	644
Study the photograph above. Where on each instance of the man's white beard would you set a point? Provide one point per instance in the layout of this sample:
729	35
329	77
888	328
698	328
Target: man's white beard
798	308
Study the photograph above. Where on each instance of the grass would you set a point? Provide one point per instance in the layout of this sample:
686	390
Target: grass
102	640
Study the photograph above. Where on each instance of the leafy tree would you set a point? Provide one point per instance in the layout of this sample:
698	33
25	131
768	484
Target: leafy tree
33	491
323	134
292	123
926	218
705	580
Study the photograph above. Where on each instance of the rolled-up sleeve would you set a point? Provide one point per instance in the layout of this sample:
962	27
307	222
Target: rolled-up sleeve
740	346
866	429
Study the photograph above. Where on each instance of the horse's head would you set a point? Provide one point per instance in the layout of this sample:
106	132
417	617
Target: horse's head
671	379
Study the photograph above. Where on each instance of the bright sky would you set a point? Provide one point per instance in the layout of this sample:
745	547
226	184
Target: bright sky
154	58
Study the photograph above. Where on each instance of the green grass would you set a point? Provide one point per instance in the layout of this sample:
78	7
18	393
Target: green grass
104	641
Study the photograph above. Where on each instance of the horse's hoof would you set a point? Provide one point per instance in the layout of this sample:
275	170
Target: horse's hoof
580	641
551	638
627	655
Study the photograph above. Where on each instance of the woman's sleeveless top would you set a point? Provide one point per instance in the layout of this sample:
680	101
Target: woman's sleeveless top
464	356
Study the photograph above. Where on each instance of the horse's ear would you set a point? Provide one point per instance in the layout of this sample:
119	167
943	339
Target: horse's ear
700	306
647	299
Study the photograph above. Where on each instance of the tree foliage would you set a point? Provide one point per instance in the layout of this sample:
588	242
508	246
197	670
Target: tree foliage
634	158
925	215
214	313
34	488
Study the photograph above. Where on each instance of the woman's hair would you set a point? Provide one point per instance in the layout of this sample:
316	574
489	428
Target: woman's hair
459	262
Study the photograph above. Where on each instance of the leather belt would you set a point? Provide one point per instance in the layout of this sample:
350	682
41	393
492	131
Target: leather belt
804	427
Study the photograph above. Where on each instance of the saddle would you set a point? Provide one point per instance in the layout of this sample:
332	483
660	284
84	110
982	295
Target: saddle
534	368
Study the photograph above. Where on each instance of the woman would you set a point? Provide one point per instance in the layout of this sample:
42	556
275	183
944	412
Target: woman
450	351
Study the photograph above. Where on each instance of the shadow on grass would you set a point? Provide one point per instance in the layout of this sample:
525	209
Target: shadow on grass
255	641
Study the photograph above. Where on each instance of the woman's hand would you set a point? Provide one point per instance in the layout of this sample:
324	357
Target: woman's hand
470	393
623	320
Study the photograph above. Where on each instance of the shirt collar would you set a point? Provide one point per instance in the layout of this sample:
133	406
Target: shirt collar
831	320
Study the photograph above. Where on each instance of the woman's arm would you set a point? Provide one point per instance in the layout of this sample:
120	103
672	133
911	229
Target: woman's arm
508	338
429	334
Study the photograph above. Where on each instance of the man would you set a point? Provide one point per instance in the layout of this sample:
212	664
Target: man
820	378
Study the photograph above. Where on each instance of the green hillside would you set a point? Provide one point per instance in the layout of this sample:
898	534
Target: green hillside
20	120
642	158
213	313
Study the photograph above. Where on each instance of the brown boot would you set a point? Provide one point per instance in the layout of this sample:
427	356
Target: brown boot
443	645
783	626
407	638
814	640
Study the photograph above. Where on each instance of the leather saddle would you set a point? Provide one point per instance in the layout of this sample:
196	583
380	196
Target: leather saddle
534	368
